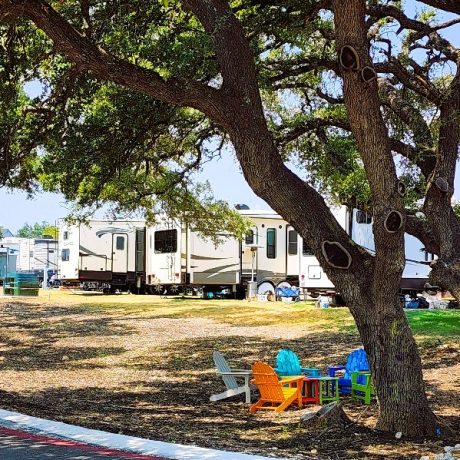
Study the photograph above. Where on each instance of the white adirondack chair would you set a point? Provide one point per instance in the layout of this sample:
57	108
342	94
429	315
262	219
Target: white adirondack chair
229	377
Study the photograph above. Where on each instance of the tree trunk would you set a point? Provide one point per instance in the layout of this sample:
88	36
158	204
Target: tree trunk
396	369
370	291
447	276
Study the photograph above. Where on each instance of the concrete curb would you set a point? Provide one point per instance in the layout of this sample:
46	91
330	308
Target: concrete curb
120	442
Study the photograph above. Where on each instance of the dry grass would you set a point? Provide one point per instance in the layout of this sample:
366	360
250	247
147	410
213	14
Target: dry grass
142	365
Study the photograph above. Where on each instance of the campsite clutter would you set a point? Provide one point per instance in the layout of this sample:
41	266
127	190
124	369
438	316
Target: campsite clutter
290	383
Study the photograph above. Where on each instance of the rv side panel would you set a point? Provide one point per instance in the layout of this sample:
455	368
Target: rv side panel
213	265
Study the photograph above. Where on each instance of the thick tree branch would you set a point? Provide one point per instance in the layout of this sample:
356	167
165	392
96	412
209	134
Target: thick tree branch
235	58
422	231
407	113
421	29
437	206
411	80
260	160
363	103
85	12
423	155
88	56
371	135
329	98
311	125
299	66
453	6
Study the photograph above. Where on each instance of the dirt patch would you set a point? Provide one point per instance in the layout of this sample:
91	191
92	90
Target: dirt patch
151	375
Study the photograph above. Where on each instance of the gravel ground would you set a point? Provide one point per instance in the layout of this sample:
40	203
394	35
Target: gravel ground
150	374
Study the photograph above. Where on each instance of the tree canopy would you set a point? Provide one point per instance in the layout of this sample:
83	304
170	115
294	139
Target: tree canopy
37	230
97	142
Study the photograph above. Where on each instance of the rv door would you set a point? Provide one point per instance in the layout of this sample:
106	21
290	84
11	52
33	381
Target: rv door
120	253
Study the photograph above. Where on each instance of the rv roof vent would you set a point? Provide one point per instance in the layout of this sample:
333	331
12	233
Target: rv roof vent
241	207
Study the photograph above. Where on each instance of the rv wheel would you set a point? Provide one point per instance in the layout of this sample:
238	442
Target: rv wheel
266	288
173	290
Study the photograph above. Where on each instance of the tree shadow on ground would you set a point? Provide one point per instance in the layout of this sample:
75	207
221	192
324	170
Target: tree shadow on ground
55	323
166	389
172	402
314	350
44	357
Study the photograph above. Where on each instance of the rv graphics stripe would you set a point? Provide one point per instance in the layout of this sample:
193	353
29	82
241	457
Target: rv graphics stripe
85	252
197	257
218	269
112	230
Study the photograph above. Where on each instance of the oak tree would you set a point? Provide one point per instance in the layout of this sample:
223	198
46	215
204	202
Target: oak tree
137	94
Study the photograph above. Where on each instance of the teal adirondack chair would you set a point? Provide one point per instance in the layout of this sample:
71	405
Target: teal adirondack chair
287	364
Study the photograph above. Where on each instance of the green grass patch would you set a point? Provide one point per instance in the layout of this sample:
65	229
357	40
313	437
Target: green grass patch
435	323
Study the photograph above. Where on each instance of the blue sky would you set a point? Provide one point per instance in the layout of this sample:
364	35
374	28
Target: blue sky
226	180
223	174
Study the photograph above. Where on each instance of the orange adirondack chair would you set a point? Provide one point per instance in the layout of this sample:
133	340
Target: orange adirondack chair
277	394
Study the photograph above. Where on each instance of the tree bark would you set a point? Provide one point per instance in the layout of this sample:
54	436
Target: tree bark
396	368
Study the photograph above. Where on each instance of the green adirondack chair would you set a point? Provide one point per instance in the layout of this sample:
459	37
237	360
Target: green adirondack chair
361	386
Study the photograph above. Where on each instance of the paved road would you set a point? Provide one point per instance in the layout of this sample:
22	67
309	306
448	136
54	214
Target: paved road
16	445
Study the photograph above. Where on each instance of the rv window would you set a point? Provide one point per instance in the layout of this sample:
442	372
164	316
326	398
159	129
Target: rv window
65	235
65	254
249	237
292	242
120	243
363	218
306	250
271	243
165	241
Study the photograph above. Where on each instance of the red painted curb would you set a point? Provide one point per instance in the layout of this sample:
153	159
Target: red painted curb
77	445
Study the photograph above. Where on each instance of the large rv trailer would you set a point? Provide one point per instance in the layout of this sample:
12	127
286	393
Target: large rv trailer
178	257
105	255
358	225
173	257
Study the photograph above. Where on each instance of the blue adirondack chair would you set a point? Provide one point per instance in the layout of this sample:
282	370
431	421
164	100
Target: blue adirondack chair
287	364
356	361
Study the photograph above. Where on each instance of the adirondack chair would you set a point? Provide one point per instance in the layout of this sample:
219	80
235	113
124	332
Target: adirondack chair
356	361
361	386
278	394
287	364
229	377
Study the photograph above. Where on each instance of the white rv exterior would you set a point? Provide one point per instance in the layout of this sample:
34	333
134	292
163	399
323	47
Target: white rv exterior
163	265
416	270
32	254
105	255
311	276
270	253
178	256
171	257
